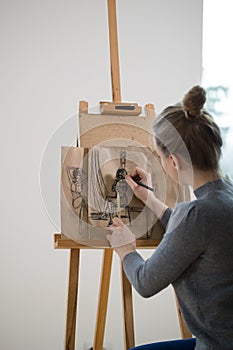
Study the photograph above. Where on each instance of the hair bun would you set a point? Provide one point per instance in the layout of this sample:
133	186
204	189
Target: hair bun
194	101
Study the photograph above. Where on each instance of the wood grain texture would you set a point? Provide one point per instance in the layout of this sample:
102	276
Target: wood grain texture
128	317
103	299
72	300
114	55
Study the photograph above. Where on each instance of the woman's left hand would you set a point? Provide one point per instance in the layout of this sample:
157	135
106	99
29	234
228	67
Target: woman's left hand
122	239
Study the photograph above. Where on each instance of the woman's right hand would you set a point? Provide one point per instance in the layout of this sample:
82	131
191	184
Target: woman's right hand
141	192
146	196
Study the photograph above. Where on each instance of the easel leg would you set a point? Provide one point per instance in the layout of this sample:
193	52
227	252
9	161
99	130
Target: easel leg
103	299
72	299
127	311
185	332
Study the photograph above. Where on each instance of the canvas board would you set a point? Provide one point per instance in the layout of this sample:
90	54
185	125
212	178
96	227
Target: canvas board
92	192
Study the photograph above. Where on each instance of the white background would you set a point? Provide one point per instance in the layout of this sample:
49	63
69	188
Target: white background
53	54
218	68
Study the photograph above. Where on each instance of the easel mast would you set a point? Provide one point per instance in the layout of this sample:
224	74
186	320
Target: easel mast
107	259
114	52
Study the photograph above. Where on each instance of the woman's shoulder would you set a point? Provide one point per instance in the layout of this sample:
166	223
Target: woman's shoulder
185	213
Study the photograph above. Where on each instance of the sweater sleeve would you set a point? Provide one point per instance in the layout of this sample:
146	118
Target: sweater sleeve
183	242
165	218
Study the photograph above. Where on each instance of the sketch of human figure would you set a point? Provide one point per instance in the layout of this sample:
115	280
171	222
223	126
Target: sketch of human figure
75	179
112	194
121	188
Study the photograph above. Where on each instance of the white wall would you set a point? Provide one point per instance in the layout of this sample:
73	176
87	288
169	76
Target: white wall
53	54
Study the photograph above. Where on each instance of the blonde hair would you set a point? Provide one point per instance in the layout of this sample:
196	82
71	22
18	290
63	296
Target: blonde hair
187	128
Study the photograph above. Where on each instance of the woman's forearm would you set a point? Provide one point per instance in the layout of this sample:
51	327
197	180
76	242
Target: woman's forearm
156	206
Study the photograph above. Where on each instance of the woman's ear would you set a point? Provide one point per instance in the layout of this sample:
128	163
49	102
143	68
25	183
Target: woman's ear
175	161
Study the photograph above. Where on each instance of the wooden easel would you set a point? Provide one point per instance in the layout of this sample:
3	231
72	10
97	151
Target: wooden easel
75	248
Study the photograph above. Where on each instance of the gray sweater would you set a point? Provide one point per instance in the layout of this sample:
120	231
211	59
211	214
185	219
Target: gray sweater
196	257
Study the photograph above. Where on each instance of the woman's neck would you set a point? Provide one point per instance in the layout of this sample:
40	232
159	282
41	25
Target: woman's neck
202	177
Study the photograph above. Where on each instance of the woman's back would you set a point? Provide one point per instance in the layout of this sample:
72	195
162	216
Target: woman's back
205	289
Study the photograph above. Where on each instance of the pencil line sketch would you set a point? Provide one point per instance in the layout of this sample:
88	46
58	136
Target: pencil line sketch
114	199
74	180
74	176
94	191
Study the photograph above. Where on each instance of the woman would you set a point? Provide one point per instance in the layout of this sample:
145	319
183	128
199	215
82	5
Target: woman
196	252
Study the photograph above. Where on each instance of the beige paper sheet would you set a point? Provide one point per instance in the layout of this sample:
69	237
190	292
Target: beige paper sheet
92	193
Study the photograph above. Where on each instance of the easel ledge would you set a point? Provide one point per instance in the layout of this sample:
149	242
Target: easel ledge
63	243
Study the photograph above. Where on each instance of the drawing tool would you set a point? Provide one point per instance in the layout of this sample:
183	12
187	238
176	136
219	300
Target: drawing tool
144	185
